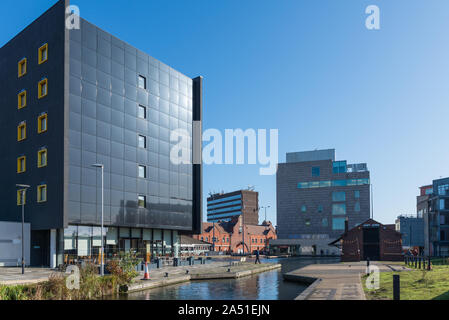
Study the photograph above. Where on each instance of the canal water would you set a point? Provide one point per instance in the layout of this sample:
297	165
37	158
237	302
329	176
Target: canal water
263	286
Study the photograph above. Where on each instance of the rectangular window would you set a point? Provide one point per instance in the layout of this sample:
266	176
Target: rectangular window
22	67
42	123
339	183
42	158
142	171
303	185
357	207
325	184
21	164
357	194
320	208
42	88
314	184
307	223
338	224
43	53
142	201
42	193
324	222
303	208
142	82
339	208
21	195
22	99
339	167
142	112
315	171
142	142
338	196
21	131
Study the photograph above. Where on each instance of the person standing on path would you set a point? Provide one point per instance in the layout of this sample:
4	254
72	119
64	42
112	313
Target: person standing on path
257	257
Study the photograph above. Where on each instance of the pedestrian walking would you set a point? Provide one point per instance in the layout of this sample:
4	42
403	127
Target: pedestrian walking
257	257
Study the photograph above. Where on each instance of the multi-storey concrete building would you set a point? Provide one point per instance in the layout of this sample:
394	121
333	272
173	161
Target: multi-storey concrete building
315	195
225	206
72	98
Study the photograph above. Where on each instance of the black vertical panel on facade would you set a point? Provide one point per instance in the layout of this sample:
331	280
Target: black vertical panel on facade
197	169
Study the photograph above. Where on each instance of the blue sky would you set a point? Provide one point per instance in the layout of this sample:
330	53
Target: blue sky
308	68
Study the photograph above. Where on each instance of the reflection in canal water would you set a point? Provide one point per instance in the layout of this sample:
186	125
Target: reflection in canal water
263	286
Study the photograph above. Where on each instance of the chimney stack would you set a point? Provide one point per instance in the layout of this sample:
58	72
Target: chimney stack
346	225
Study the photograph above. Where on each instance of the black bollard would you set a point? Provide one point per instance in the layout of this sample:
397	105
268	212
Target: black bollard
396	287
416	262
419	263
428	263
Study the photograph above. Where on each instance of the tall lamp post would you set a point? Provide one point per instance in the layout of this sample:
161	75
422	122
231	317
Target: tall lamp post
99	165
23	194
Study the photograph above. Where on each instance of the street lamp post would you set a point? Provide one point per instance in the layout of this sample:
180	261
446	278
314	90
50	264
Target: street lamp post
98	165
23	194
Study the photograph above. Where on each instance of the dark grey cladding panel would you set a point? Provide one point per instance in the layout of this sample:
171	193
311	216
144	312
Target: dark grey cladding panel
48	28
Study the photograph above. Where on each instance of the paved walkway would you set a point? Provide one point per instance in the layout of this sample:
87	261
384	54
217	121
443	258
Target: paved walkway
14	276
341	281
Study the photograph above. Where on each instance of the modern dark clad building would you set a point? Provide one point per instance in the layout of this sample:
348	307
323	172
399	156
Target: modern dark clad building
73	98
436	220
412	231
315	195
225	206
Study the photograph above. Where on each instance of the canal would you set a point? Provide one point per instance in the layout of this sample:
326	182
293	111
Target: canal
263	286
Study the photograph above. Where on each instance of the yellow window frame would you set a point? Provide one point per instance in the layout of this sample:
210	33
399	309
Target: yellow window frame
23	63
40	51
22	99
40	86
19	167
19	197
39	154
39	123
19	131
39	193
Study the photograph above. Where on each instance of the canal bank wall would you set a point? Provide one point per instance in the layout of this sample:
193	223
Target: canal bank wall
216	270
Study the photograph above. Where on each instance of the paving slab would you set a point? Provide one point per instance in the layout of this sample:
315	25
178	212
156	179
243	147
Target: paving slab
340	281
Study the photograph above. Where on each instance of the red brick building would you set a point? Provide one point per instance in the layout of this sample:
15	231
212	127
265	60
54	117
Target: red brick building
229	237
372	240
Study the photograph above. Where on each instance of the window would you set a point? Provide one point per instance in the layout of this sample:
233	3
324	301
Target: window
42	158
339	167
42	88
303	185
142	112
320	208
142	201
325	184
43	53
324	222
142	82
21	195
339	183
22	99
339	196
357	207
42	123
315	171
307	223
441	204
303	208
21	131
338	224
142	171
356	194
142	141
21	164
22	67
42	193
443	189
338	208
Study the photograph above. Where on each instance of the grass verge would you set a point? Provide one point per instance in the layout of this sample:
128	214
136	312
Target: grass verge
415	285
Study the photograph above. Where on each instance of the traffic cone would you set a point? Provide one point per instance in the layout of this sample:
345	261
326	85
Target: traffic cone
146	276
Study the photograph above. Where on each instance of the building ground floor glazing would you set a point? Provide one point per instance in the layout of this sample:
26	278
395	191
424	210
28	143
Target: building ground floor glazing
79	243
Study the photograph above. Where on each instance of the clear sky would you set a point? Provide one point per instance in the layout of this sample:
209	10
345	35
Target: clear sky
308	68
